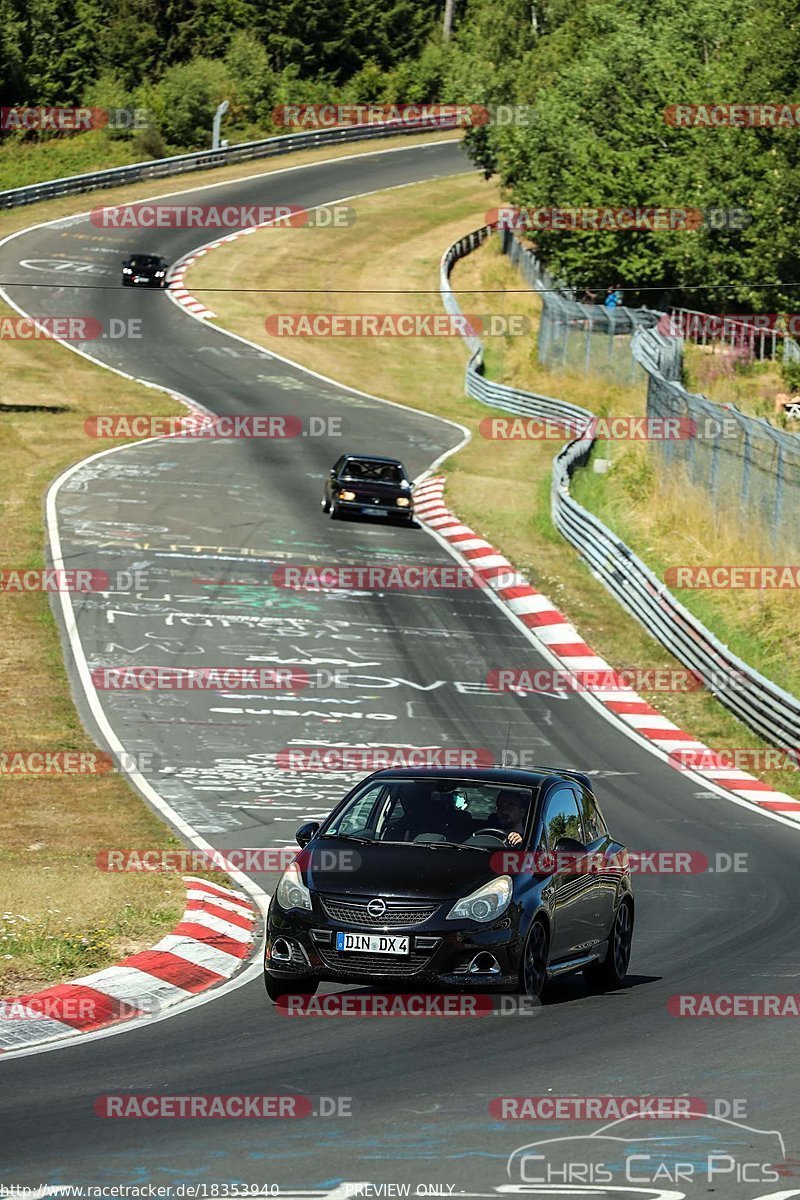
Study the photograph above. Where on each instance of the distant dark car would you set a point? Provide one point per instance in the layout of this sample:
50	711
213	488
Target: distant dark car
369	485
144	270
432	894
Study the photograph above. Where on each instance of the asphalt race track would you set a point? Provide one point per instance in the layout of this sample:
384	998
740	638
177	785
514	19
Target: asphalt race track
207	523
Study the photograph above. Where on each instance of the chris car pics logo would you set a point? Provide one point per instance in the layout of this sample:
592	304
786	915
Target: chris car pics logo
675	1160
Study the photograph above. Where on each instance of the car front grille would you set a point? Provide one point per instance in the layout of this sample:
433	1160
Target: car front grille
373	964
399	913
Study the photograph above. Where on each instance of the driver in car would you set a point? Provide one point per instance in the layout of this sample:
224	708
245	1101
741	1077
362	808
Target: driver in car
511	811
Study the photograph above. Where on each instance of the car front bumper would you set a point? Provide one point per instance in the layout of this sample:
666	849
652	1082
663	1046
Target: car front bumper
365	508
441	952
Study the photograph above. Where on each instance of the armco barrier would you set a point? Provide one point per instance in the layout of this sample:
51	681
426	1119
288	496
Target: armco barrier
201	160
758	702
498	395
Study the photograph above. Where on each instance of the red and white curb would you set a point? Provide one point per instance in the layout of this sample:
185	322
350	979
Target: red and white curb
216	935
177	278
176	286
561	639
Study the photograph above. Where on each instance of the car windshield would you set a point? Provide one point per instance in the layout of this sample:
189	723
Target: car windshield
372	472
145	260
434	812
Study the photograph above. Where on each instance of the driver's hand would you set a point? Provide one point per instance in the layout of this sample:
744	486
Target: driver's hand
514	838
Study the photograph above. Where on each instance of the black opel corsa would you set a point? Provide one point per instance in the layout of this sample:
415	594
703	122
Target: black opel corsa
495	878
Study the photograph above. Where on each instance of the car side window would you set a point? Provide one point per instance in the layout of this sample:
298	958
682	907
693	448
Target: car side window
593	822
357	820
561	817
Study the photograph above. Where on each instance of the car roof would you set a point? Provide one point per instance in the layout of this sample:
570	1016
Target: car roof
533	778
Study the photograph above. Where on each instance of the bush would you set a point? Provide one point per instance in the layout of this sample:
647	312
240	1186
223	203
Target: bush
185	100
790	370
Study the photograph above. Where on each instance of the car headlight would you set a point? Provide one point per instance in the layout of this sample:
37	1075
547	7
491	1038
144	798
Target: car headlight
159	274
487	903
403	501
126	271
347	495
291	892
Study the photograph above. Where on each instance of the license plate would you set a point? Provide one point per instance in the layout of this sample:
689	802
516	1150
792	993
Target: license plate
372	943
376	512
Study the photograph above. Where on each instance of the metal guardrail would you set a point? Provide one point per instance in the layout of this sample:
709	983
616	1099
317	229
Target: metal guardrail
498	395
758	702
201	160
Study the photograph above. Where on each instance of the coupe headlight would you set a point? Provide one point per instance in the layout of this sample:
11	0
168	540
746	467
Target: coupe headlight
347	495
160	274
126	271
291	891
484	905
403	501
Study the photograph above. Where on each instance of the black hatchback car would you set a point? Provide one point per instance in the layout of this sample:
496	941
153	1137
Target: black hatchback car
369	485
490	877
144	270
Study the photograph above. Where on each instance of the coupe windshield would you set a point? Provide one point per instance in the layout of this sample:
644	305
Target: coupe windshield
430	811
372	472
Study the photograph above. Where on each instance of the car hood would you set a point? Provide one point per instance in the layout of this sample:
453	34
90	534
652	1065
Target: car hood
388	869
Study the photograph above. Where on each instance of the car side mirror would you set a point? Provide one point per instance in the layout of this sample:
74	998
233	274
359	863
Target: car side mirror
306	832
568	845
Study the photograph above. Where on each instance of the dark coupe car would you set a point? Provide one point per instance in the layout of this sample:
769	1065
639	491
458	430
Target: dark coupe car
369	485
495	878
144	270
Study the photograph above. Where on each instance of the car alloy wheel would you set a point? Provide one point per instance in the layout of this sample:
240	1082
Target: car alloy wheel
326	504
611	972
534	961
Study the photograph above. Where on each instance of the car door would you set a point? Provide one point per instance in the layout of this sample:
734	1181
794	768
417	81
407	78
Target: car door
600	845
574	893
